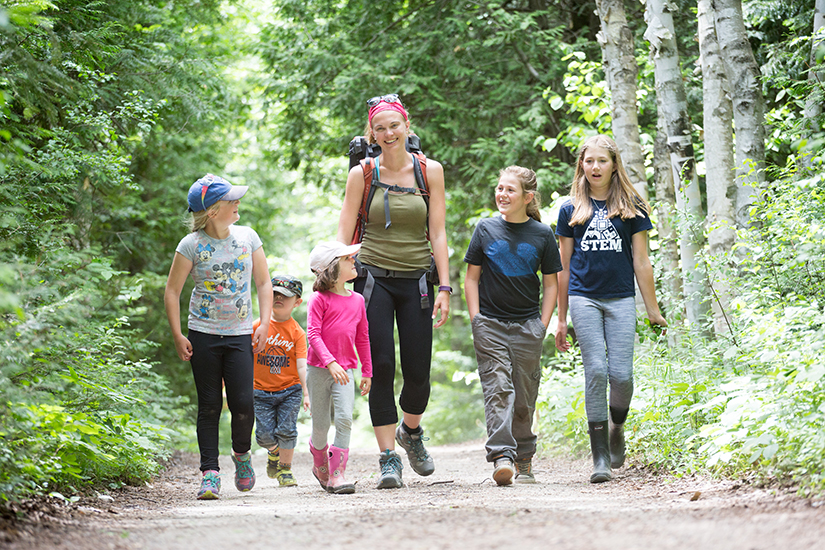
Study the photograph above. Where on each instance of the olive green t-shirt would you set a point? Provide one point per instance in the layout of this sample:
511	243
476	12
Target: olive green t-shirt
404	246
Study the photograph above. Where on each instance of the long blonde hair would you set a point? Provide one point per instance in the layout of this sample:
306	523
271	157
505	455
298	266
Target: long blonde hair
622	198
199	219
529	184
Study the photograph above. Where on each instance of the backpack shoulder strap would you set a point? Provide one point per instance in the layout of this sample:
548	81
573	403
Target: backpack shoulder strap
368	168
420	170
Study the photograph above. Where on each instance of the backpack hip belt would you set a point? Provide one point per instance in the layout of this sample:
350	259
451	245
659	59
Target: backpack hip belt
370	272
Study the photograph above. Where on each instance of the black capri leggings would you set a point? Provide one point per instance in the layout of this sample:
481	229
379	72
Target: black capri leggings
228	360
398	300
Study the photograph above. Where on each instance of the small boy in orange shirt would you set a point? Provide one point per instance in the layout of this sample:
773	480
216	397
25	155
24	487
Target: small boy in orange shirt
280	381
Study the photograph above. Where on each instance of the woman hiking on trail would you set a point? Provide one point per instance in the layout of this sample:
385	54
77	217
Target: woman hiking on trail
222	258
602	233
395	257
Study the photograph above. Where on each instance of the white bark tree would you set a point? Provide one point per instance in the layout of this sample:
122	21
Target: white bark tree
670	91
748	103
665	207
619	60
816	75
719	167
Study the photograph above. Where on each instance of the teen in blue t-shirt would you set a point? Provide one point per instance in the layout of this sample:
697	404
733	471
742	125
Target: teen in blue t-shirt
603	239
510	318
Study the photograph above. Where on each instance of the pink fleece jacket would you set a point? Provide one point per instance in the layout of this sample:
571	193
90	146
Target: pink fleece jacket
337	327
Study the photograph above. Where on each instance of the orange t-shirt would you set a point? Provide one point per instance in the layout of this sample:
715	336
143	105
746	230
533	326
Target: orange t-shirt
276	368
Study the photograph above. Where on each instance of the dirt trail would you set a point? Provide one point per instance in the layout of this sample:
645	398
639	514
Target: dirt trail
457	507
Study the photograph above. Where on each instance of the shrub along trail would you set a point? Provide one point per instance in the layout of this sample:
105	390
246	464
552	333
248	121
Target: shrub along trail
458	507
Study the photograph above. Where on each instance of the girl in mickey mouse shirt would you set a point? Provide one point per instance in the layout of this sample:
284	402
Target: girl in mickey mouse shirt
218	342
602	233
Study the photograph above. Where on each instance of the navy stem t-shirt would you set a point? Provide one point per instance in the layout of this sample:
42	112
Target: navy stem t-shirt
602	262
510	255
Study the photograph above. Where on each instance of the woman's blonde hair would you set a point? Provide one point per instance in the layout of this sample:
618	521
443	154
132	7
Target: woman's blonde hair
326	279
622	198
199	219
529	184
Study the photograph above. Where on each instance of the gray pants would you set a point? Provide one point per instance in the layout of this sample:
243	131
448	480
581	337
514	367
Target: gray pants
509	365
330	402
606	331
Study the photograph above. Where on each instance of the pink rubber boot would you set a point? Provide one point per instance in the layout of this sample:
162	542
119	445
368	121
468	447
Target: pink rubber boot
337	466
320	465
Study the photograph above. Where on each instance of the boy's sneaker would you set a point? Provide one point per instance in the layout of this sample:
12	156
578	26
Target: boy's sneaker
273	463
285	477
391	468
420	459
244	474
503	472
524	471
210	486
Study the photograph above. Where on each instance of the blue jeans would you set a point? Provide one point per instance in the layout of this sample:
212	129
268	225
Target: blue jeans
276	416
509	365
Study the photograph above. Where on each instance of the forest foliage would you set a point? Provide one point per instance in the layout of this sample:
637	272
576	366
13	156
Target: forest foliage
111	109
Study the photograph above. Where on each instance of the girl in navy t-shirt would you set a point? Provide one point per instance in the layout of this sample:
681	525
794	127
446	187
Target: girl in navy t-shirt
602	233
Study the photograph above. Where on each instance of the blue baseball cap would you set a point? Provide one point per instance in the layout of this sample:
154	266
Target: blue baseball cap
210	189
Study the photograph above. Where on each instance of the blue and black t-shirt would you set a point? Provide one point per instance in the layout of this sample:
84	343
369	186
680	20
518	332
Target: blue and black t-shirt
510	256
602	262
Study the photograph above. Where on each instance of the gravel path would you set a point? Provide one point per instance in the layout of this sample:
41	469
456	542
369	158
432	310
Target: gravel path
457	507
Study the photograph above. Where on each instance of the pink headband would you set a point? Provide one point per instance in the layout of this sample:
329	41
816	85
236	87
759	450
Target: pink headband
384	106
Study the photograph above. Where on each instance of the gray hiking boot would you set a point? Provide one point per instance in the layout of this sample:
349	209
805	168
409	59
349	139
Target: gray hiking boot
420	459
391	468
524	471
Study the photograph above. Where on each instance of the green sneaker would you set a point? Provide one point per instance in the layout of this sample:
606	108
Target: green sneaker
210	486
273	463
524	471
244	474
285	477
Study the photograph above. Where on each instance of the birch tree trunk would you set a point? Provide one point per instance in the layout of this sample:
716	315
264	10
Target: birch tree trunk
670	89
748	103
813	107
665	208
619	60
719	167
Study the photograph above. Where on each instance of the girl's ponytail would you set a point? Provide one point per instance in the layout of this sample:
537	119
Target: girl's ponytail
529	184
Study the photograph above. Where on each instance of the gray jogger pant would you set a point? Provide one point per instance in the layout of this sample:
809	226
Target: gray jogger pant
606	331
509	365
331	403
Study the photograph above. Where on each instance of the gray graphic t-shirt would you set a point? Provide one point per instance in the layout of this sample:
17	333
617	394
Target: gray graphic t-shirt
221	301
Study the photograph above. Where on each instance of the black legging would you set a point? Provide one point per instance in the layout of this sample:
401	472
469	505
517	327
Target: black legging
398	300
226	359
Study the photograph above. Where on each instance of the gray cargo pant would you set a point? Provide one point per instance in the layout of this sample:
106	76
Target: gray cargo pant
509	365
